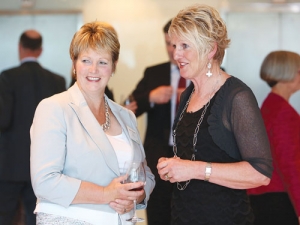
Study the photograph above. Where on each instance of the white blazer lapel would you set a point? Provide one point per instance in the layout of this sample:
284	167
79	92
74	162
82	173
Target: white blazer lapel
92	127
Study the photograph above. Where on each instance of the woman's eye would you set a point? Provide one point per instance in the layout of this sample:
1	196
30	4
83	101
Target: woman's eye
103	63
85	61
184	46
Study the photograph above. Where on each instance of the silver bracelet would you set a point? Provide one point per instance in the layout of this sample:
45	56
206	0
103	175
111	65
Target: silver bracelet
207	171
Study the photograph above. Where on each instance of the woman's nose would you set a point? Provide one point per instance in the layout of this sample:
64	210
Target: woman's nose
176	54
93	68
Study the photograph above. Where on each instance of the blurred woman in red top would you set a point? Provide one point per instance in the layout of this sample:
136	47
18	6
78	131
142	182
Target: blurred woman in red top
279	202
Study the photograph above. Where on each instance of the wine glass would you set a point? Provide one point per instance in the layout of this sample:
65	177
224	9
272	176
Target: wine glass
136	173
124	170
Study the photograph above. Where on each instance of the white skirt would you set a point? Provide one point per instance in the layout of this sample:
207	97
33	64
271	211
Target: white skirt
50	219
53	214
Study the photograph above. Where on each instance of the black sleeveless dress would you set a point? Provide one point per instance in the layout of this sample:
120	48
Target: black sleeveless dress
203	202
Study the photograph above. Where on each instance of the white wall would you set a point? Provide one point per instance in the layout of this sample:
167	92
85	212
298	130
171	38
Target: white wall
253	36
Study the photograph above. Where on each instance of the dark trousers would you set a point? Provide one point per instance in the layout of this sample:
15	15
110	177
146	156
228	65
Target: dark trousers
273	209
10	194
159	204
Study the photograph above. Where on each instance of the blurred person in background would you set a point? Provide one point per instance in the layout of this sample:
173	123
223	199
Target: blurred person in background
279	202
157	94
21	90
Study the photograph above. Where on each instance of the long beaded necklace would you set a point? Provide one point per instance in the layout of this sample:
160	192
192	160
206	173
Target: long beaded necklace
179	186
106	125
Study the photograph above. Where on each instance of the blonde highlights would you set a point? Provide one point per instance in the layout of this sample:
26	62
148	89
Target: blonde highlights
203	27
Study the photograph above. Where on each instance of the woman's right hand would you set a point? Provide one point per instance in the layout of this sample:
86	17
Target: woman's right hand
176	170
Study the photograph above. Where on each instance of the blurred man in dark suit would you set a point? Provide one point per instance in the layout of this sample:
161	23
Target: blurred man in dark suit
21	89
156	94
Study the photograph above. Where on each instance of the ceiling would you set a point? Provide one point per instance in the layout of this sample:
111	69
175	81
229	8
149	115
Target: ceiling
7	5
17	5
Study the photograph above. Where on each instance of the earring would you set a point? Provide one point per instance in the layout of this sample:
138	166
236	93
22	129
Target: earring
112	75
209	74
74	71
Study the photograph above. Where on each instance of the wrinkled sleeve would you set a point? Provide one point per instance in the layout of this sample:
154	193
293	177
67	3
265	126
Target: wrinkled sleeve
47	155
249	131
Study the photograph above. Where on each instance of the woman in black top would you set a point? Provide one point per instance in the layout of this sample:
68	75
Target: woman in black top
220	143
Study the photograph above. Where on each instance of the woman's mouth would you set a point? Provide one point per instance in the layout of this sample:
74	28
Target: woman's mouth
93	78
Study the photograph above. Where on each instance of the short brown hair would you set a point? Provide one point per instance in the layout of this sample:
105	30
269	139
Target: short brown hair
279	66
97	36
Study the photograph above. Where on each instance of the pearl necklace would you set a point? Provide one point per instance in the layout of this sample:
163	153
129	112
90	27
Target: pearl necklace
106	125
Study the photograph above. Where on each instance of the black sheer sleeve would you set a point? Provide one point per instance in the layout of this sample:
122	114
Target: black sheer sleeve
237	127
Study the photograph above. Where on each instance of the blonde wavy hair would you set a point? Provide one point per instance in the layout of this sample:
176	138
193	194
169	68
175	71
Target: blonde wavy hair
203	27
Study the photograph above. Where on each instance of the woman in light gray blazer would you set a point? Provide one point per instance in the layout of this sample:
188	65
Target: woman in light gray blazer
80	139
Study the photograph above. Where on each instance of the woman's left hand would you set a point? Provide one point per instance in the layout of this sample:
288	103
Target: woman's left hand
121	206
125	205
175	169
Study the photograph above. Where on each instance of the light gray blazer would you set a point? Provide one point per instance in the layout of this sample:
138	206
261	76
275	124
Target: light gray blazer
68	145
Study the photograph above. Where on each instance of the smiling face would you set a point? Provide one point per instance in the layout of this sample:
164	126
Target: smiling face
187	58
93	70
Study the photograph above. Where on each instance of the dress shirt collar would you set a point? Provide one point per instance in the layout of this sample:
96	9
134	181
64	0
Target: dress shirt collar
28	59
174	67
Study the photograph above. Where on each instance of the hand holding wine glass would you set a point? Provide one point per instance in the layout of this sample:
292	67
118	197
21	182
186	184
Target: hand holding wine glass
136	173
130	103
